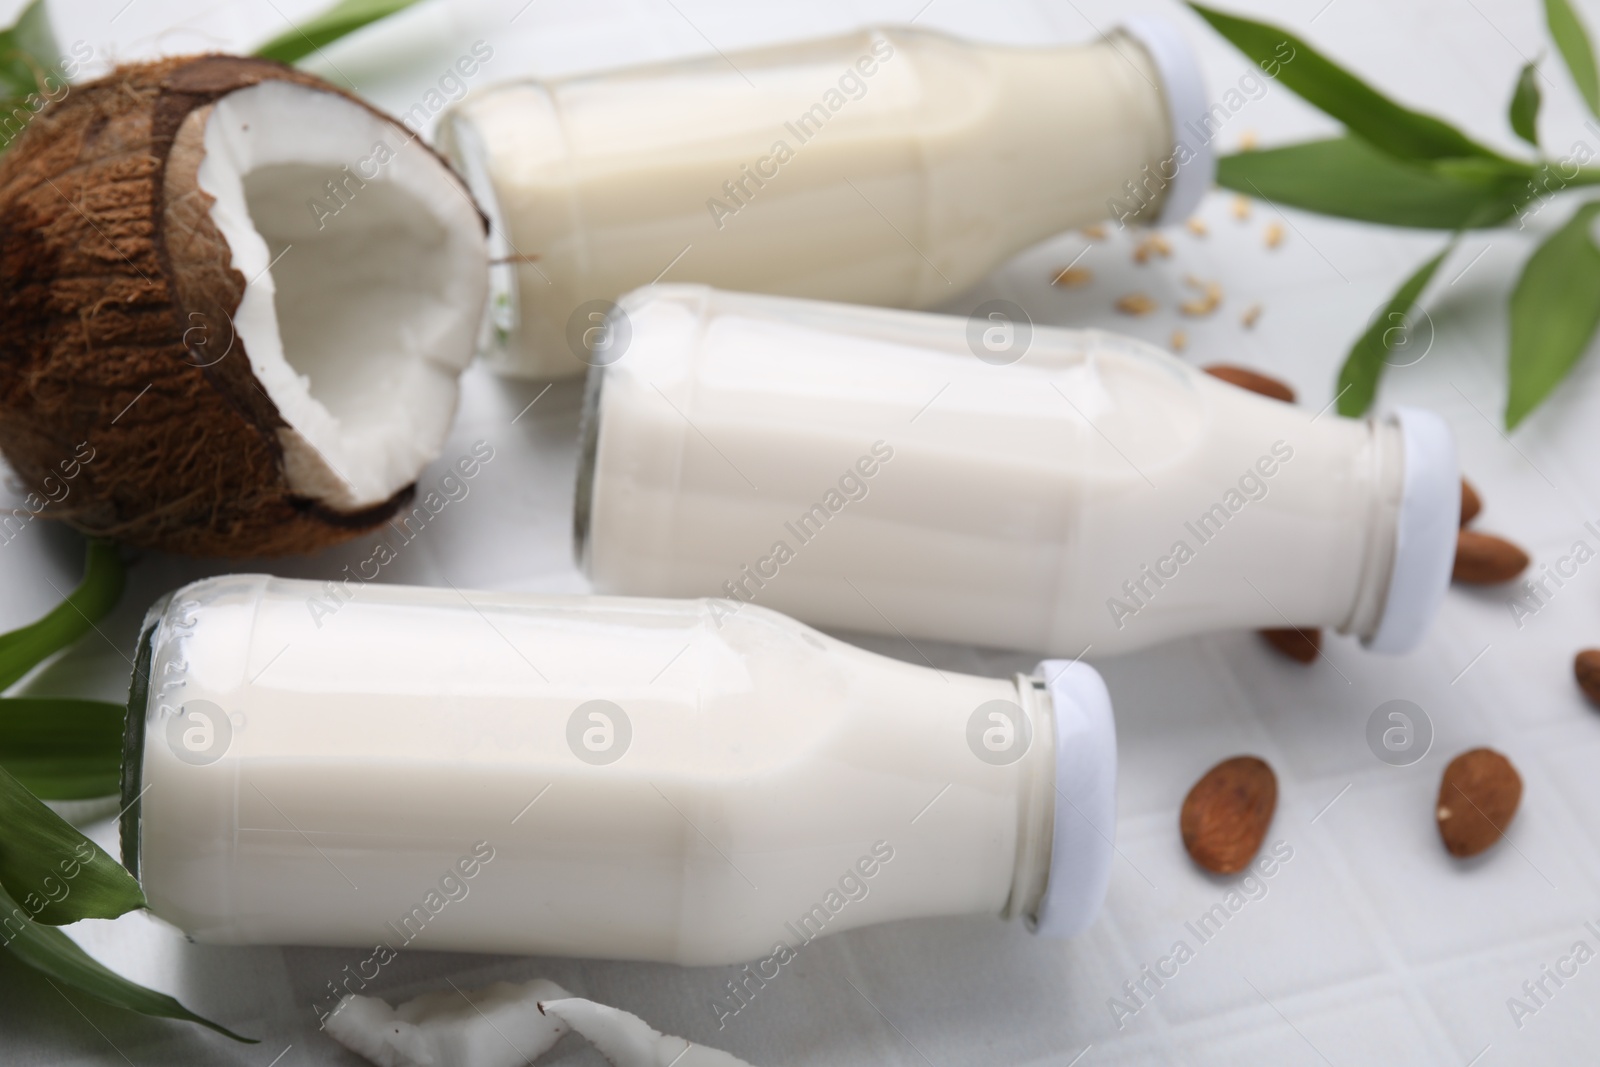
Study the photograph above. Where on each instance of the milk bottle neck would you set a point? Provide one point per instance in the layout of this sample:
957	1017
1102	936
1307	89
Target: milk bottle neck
1065	849
1421	546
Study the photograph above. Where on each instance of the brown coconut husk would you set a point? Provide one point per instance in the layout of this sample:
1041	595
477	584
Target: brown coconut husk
117	295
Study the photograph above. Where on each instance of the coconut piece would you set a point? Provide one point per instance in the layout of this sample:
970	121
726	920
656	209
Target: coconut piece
498	1026
626	1040
248	291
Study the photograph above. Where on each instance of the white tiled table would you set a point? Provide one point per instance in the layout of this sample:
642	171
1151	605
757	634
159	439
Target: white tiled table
1368	946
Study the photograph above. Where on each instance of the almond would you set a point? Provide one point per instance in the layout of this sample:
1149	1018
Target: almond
1299	645
1180	340
1241	207
1482	559
1094	233
1477	800
1255	381
1227	812
1197	226
1587	667
1274	235
1135	304
1471	503
1251	316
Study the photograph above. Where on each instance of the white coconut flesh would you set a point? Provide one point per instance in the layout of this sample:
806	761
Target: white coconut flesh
626	1040
499	1026
504	1025
364	297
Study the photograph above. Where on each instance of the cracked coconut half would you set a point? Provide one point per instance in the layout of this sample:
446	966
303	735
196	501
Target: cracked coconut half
250	293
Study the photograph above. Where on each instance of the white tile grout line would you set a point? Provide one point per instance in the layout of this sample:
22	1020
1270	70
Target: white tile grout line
1363	910
1393	970
1279	1012
1165	1030
1366	912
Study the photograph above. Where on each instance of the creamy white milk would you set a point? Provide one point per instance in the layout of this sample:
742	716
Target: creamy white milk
864	469
887	166
428	768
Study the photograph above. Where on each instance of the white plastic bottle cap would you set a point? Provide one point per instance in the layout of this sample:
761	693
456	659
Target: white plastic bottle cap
1187	106
1081	845
1425	532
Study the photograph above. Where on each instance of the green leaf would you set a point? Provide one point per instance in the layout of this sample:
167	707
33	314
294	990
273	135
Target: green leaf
62	749
101	588
1358	378
1346	177
57	874
1388	126
59	958
1573	43
29	73
28	51
1554	311
342	18
1524	112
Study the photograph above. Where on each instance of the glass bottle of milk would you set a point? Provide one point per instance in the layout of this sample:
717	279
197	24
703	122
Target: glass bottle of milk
888	166
695	781
993	483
